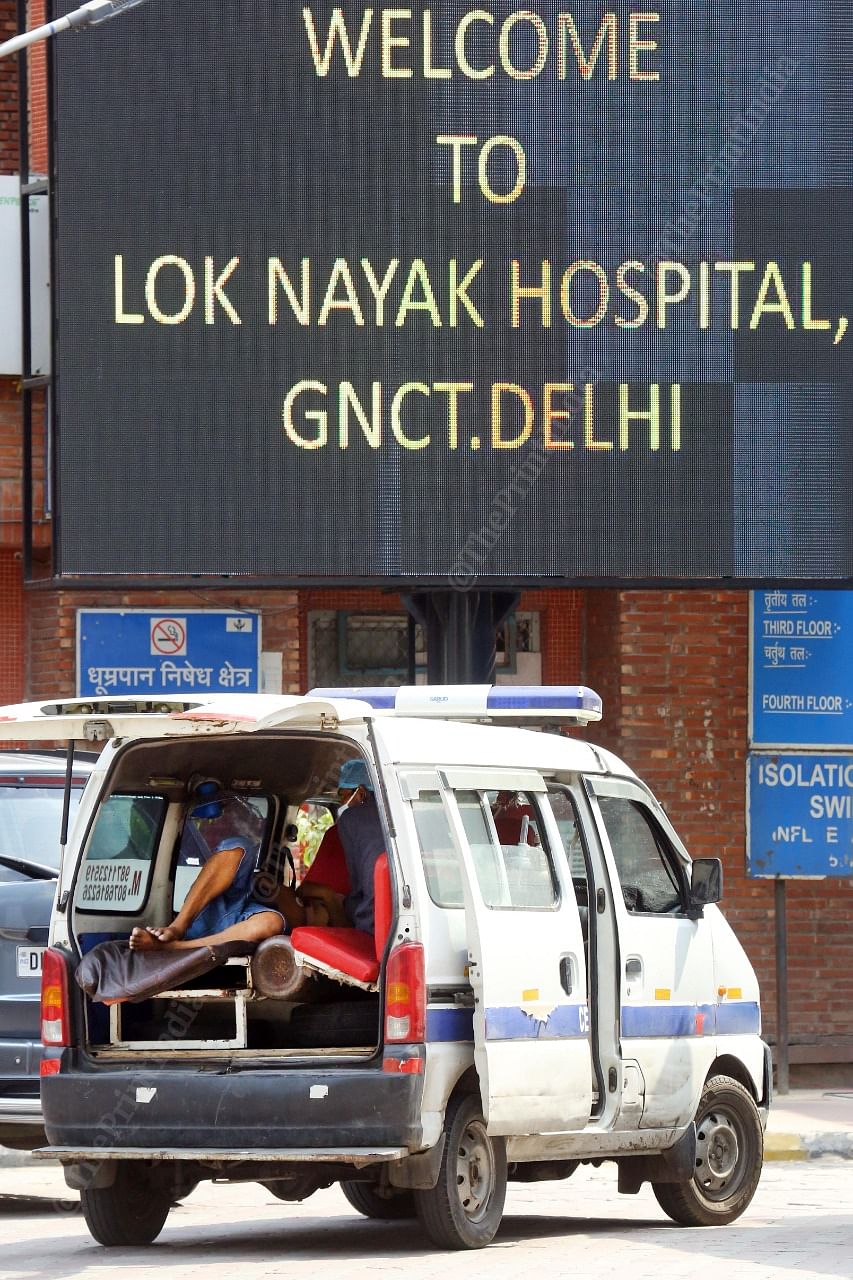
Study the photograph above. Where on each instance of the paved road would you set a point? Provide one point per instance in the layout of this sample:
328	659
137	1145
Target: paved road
801	1221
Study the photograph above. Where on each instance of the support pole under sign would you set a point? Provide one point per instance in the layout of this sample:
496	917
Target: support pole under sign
781	914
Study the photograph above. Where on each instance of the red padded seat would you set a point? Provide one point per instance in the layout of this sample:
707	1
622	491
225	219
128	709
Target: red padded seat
352	951
383	903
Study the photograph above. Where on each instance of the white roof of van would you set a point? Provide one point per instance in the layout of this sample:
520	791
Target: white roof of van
410	739
428	742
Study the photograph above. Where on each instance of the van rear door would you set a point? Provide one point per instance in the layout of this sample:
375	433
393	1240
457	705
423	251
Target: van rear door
525	955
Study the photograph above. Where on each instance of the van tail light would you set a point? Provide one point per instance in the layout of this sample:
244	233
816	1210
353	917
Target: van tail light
55	1014
405	995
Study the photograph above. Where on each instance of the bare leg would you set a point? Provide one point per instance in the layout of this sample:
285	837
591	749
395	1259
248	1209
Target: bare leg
264	924
214	878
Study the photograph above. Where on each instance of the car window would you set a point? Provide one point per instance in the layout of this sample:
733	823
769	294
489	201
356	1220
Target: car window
30	824
441	864
513	872
529	874
117	867
569	826
644	859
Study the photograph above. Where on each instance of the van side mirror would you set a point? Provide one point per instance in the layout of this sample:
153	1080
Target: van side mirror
706	885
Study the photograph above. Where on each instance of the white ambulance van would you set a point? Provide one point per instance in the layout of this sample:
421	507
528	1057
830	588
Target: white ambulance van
549	982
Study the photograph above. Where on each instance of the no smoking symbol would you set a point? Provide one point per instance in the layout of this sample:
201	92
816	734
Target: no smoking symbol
169	636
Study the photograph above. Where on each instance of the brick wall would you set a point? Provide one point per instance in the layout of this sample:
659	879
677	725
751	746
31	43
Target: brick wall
679	717
38	93
11	591
8	93
11	627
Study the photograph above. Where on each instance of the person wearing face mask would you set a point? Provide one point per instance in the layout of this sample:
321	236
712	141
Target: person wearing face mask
221	905
359	836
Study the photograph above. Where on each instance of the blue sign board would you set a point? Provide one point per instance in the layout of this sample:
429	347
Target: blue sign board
802	675
182	652
799	815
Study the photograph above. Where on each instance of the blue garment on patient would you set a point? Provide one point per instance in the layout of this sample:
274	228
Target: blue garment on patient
235	903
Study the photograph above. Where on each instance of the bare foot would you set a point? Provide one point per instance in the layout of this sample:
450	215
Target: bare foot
152	939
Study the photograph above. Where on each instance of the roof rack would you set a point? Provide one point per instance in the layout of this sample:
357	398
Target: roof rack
521	703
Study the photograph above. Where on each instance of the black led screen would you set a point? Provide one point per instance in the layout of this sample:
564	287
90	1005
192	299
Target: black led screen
467	292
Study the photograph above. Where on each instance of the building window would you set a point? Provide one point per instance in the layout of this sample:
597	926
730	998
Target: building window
347	649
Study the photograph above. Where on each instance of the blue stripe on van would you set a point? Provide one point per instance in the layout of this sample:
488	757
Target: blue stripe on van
564	1022
661	1021
446	1024
738	1017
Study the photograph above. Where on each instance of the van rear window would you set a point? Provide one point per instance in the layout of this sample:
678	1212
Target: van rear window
116	870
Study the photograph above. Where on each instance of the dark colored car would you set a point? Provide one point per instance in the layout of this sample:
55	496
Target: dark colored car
32	785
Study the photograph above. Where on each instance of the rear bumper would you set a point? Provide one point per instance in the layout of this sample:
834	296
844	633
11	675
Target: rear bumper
269	1110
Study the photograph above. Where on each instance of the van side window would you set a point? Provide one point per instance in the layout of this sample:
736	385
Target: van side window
441	863
517	872
568	824
643	856
116	871
529	873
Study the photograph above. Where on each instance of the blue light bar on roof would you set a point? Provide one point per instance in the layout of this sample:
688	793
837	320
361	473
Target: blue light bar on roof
569	703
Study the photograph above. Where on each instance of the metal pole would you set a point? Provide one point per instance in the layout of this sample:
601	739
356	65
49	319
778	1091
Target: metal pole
782	1074
91	14
460	630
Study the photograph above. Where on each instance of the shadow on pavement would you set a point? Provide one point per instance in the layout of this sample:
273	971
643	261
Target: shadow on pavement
36	1206
343	1238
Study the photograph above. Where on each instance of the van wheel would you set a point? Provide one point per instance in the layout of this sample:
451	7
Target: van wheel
365	1197
729	1155
132	1211
464	1209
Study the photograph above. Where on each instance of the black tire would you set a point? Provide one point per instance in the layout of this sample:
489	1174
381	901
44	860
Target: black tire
729	1155
464	1209
133	1210
364	1197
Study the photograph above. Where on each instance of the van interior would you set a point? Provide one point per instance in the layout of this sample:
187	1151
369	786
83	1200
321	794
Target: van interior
143	851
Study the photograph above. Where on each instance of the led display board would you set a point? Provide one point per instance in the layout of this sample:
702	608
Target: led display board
456	292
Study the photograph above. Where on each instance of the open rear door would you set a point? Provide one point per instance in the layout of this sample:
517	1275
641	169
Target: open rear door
101	718
525	955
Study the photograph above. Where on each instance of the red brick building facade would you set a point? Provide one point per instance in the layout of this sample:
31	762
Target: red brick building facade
671	666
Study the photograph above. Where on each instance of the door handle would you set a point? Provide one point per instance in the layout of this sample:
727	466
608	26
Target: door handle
633	969
567	969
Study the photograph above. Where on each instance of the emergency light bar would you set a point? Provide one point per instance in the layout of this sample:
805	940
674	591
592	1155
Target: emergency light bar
520	702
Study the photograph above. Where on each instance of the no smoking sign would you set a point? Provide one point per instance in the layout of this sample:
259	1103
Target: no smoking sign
169	637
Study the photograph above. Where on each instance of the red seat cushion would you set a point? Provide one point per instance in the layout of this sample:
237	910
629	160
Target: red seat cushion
329	866
383	903
351	950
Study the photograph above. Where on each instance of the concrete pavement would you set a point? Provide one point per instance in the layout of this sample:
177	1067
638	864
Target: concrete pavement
807	1123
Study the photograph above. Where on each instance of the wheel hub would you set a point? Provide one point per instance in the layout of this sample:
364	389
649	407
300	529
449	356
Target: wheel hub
475	1173
717	1153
